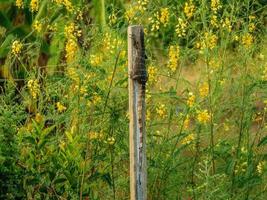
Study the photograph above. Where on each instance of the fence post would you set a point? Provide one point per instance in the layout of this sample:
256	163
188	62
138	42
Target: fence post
137	111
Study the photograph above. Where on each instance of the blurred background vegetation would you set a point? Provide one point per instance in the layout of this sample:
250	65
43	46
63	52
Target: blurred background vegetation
64	100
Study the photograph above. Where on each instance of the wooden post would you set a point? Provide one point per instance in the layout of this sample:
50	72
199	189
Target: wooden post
137	87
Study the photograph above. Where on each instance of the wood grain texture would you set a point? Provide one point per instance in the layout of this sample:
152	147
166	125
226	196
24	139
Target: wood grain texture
137	110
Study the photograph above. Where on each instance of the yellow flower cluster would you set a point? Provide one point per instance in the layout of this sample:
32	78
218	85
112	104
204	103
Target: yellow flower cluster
188	139
214	64
130	14
241	167
37	26
204	90
226	23
251	25
60	107
210	41
92	135
112	18
260	167
110	44
189	9
160	18
19	3
203	116
71	49
71	33
152	71
164	16
155	22
39	118
34	88
215	5
96	60
186	122
16	47
214	21
67	3
73	74
34	5
110	140
191	99
174	52
161	111
247	40
96	98
181	27
142	5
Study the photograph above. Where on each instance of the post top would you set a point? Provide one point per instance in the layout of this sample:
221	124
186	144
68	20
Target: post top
135	27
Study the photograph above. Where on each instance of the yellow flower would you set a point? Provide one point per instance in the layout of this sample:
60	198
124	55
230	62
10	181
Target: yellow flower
251	27
186	122
60	107
164	16
204	90
247	40
39	118
174	52
19	3
214	64
214	21
210	41
62	145
189	9
73	74
37	26
58	1
130	14
71	49
16	47
203	116
112	18
215	5
260	167
188	139
96	60
152	71
110	140
155	22
34	5
68	5
227	24
96	98
161	111
159	18
34	88
92	135
71	31
79	15
181	27
191	100
142	5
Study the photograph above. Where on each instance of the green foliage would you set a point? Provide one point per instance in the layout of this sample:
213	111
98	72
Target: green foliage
64	98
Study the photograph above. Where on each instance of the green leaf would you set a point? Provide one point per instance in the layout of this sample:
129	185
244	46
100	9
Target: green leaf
55	49
60	180
263	141
5	46
4	21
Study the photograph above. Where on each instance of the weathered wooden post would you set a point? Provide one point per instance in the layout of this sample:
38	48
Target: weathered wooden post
137	87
